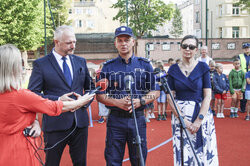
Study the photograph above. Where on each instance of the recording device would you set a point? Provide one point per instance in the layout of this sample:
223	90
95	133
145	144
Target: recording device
129	80
101	85
162	77
26	132
159	74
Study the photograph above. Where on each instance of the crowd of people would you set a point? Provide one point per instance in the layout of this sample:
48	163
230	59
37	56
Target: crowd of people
60	88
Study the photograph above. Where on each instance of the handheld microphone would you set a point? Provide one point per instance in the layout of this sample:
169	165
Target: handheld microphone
128	80
101	85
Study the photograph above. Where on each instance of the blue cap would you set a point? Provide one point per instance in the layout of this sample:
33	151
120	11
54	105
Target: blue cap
123	30
245	45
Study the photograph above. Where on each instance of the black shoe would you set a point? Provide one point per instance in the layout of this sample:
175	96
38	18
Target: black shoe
159	117
236	115
163	117
232	115
165	114
213	111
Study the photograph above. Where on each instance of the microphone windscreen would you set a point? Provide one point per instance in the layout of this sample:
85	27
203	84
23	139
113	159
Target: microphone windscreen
157	70
103	83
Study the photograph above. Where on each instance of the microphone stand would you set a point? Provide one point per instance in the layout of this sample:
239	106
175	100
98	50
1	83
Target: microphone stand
183	126
138	138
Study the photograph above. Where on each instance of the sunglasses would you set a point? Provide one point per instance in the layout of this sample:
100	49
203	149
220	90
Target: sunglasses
185	46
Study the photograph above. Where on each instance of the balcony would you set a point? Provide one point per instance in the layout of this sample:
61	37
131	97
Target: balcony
84	4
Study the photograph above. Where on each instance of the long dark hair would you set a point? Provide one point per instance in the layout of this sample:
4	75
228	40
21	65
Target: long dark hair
190	37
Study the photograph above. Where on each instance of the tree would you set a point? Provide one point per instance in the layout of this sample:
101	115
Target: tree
245	4
144	15
60	10
21	23
176	29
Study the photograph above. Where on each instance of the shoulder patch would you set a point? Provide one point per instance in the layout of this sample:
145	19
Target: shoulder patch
109	61
144	59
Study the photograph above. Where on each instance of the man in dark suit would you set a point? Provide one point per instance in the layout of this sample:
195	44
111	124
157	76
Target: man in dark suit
54	76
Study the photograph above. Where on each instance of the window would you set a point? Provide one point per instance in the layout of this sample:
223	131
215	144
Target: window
197	18
215	46
166	46
236	10
220	32
78	23
231	46
90	24
197	2
78	11
236	32
89	12
220	10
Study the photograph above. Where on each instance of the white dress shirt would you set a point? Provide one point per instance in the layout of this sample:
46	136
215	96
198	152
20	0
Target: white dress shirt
60	62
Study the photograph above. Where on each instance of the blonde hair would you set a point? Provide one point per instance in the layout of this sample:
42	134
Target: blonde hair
10	68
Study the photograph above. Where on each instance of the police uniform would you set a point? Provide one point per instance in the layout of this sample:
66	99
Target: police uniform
120	124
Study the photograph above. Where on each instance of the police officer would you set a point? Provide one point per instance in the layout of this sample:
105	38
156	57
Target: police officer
120	124
244	61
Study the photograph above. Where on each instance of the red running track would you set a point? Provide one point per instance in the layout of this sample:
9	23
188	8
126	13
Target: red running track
233	137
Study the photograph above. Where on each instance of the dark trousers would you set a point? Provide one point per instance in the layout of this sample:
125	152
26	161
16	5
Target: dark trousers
77	142
121	131
243	103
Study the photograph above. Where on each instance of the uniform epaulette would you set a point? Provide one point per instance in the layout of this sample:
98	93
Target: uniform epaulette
144	59
109	61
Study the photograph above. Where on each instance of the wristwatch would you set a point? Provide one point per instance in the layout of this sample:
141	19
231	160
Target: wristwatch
201	117
142	101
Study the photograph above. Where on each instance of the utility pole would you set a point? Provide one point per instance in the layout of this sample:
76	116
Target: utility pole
127	12
206	21
211	33
45	37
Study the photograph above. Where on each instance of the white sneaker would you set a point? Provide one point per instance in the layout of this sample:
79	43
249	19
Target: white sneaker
149	116
222	115
218	115
152	115
147	120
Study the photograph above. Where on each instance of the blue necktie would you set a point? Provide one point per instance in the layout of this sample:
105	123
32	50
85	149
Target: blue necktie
66	71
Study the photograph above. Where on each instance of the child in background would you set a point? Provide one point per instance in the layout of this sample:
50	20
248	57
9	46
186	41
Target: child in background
170	61
247	93
149	112
178	60
221	86
237	87
161	101
212	71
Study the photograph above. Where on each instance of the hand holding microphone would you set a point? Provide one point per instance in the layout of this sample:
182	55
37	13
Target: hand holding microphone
101	85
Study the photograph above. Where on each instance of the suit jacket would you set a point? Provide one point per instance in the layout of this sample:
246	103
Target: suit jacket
47	80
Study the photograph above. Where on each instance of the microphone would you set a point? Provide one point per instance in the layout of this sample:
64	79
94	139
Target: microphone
128	80
160	75
101	85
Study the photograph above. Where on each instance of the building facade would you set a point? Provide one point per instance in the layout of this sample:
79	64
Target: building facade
224	20
93	16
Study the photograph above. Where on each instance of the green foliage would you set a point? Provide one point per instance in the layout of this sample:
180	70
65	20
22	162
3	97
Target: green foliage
22	22
245	4
60	10
143	15
176	30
